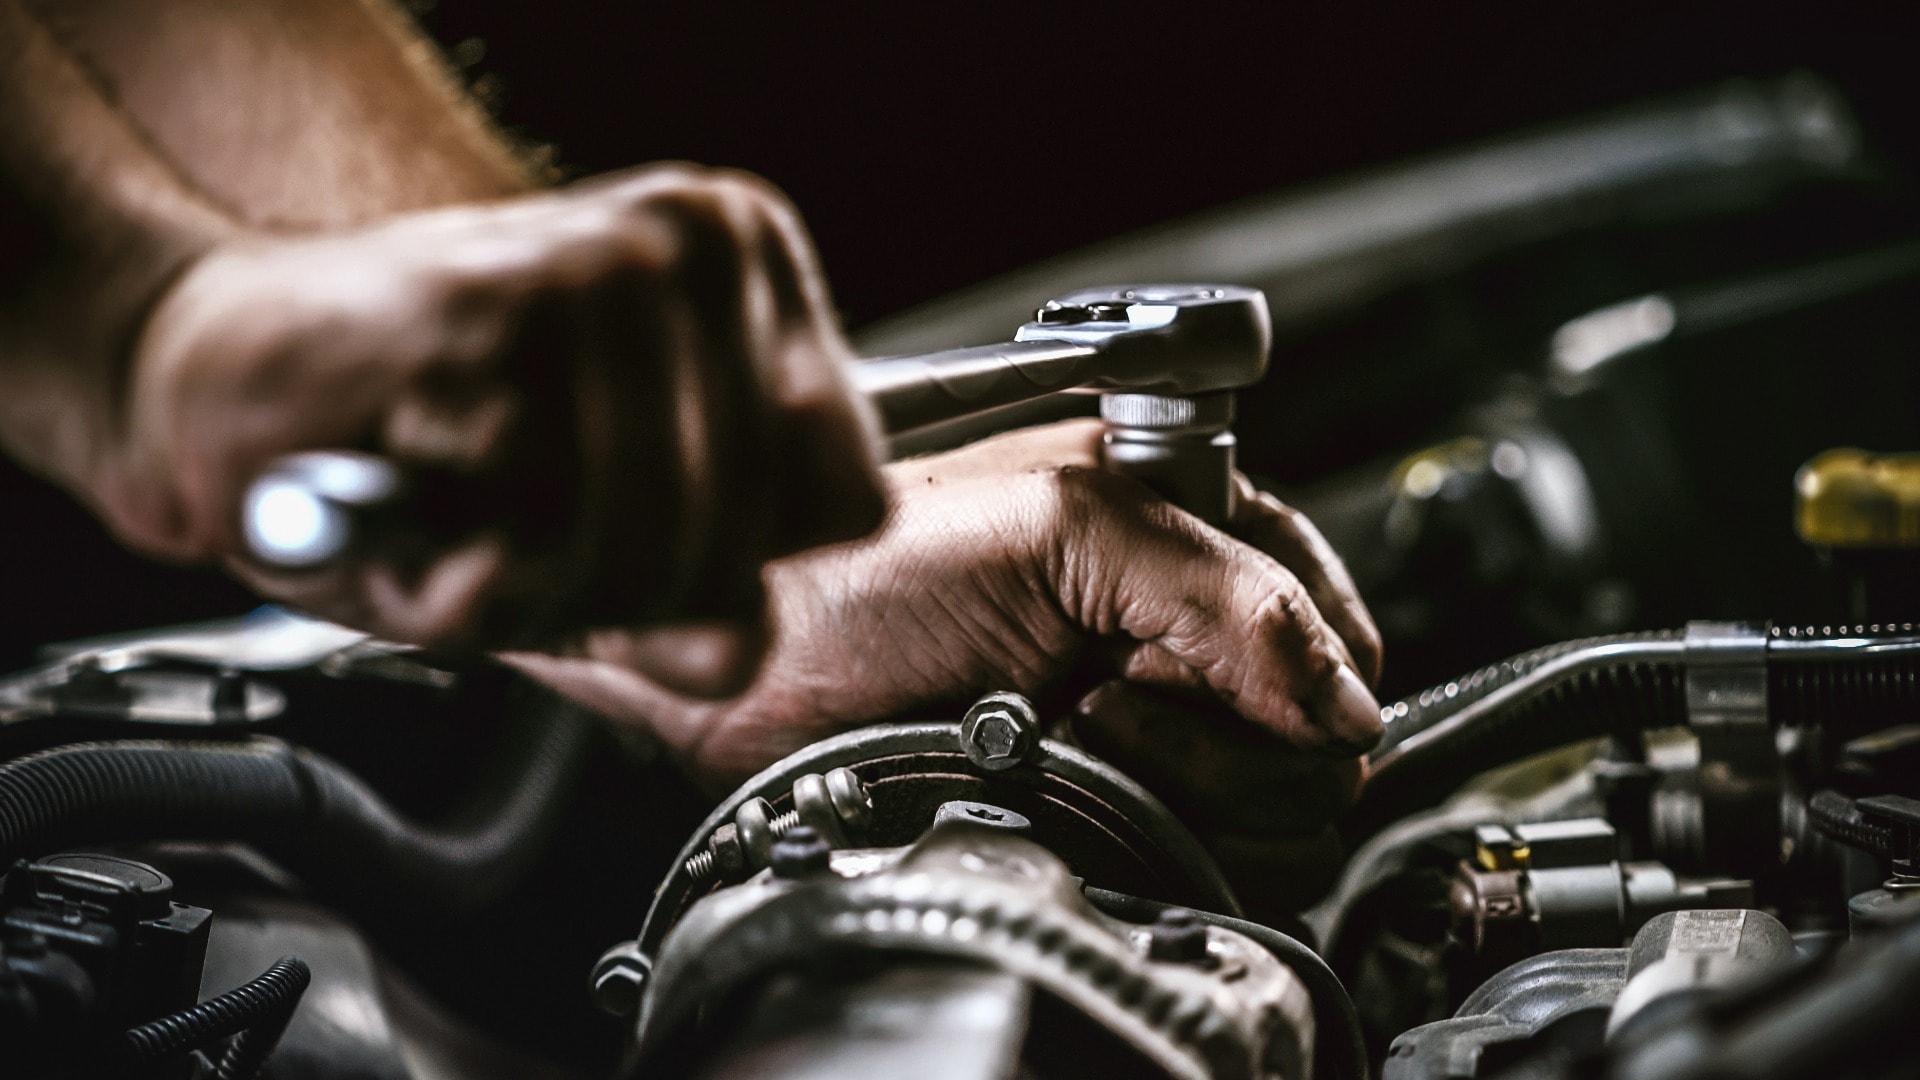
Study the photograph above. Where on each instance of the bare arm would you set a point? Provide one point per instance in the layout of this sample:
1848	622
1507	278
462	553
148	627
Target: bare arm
135	136
254	227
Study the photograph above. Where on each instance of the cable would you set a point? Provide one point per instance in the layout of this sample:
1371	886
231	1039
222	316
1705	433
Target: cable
256	1012
302	809
1845	680
1835	816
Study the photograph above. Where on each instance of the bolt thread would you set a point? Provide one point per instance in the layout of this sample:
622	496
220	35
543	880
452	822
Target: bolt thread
700	866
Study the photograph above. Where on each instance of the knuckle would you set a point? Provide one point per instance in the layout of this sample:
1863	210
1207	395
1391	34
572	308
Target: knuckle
749	190
731	197
1072	490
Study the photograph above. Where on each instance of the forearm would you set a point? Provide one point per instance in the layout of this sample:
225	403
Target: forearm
136	136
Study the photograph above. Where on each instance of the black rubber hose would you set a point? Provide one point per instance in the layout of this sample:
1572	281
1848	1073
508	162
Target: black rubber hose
1846	693
302	809
1340	1045
1632	694
1416	713
1844	680
1835	816
257	1012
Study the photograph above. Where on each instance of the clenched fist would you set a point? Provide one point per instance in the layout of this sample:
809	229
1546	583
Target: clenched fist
621	399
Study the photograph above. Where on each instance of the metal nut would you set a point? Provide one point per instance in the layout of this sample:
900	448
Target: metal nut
729	855
1000	731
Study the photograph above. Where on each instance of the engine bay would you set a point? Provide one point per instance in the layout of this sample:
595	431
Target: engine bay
1586	410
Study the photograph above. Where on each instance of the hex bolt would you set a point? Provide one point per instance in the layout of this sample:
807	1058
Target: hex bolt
802	852
619	977
1178	937
1000	731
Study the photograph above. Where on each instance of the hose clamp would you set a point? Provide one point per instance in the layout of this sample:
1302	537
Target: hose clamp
1740	775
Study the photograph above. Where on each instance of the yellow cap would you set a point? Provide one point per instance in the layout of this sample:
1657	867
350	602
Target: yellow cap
1853	499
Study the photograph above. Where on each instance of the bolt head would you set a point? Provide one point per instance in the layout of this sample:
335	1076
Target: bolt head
850	797
802	852
999	737
1000	731
1176	936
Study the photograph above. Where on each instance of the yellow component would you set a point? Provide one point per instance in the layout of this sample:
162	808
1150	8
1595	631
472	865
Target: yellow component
1503	858
1421	474
1854	499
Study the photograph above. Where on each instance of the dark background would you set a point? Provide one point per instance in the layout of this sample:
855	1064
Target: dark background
931	146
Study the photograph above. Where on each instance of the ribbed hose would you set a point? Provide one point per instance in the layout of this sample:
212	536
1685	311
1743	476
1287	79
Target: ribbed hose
1605	686
257	1012
1835	816
1416	713
302	809
1846	680
1848	694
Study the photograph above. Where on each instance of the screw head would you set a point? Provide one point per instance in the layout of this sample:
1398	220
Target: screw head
851	800
800	853
1000	731
975	813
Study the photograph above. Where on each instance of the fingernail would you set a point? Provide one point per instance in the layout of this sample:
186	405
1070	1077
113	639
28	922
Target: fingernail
1348	712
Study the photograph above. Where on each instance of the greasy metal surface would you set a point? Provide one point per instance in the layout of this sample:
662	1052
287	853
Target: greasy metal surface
927	1021
992	897
1110	826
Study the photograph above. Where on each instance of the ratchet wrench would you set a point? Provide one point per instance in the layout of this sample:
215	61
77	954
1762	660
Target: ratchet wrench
1165	359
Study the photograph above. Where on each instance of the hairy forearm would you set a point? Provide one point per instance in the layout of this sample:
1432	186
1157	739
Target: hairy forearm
136	136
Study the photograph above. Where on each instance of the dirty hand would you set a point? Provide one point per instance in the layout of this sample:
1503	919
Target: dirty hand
632	386
1229	673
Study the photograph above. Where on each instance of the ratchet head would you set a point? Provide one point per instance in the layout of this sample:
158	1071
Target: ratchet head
1171	340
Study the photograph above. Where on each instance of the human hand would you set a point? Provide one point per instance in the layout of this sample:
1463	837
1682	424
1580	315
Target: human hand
1231	673
632	386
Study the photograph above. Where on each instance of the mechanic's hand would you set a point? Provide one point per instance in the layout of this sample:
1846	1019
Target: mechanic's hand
626	396
1017	564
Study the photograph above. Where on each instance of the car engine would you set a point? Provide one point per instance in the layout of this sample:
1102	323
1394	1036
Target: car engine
1612	421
